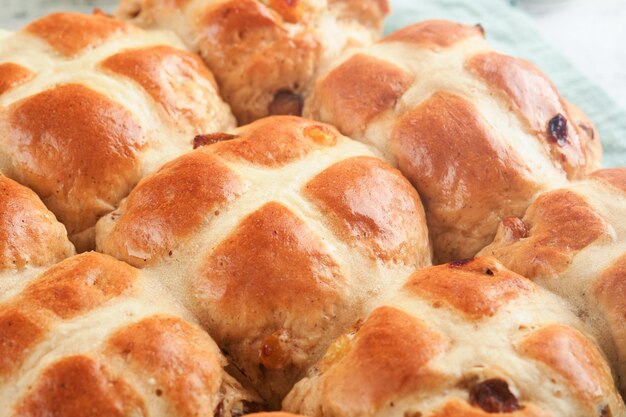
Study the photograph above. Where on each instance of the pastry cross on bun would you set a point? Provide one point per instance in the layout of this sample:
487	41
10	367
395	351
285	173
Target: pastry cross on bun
278	238
469	338
573	242
89	104
265	54
93	336
478	133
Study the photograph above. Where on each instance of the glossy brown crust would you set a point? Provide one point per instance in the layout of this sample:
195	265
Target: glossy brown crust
77	149
275	141
457	408
613	176
79	284
265	54
19	332
589	137
373	207
29	233
271	262
178	356
477	288
173	78
71	33
558	225
360	89
583	367
388	358
446	150
434	34
268	294
12	75
532	93
290	10
610	291
77	384
154	221
243	39
537	100
70	288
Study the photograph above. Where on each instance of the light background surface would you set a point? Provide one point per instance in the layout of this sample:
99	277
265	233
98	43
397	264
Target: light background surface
580	44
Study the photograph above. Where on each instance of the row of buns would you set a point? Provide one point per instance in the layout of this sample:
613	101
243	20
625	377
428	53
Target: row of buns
92	334
286	263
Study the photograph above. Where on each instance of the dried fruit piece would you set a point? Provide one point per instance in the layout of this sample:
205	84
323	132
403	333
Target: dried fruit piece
336	352
606	412
493	396
557	129
203	140
459	263
589	131
219	410
321	135
274	353
286	103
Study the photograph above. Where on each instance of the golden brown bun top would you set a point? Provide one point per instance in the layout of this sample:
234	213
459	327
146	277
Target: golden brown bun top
30	235
571	240
92	334
208	179
12	75
468	338
55	134
435	34
478	133
90	104
279	236
71	33
265	54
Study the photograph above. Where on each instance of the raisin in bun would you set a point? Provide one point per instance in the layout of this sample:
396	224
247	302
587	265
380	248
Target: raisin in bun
90	104
573	242
278	237
94	336
274	414
469	338
476	132
265	54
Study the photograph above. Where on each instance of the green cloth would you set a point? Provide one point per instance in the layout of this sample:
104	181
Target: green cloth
512	31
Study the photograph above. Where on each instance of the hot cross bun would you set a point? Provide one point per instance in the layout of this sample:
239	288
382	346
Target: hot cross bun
573	242
265	54
478	133
89	104
278	237
470	339
93	336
